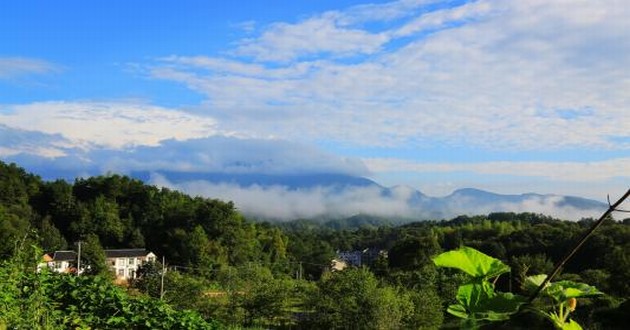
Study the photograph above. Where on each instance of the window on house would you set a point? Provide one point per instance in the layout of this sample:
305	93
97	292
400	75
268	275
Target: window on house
132	261
121	272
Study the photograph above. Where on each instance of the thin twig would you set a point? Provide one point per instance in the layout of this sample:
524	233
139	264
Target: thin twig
579	244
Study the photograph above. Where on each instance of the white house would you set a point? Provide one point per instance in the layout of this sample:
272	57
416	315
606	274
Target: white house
60	261
125	262
351	258
358	258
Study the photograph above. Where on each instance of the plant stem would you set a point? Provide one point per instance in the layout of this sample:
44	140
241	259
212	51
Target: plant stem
579	244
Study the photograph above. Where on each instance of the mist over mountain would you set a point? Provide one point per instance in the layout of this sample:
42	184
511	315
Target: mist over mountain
290	181
327	196
306	193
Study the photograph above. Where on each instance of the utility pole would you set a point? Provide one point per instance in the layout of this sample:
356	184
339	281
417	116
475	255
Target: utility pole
79	259
162	281
300	271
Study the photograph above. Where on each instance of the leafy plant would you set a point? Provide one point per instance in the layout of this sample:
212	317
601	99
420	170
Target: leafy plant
479	303
563	297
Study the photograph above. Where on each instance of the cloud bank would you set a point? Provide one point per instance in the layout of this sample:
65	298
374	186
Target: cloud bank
215	154
281	203
478	75
106	124
550	170
533	75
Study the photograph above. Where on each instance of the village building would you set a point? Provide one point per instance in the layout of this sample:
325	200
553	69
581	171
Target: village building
357	258
124	263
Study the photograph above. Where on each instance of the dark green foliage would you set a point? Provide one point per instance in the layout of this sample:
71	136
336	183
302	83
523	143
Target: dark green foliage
50	238
242	272
93	301
413	252
42	300
351	299
255	296
12	226
24	300
120	212
93	256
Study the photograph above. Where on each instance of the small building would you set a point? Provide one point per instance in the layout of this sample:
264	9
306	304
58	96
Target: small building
370	255
60	262
337	265
124	263
351	258
360	258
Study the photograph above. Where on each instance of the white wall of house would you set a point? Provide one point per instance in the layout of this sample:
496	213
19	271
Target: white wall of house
56	266
126	267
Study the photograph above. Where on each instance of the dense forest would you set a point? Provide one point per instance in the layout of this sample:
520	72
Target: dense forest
227	271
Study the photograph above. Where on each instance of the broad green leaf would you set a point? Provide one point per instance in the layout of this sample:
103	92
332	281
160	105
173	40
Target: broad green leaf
472	262
533	282
571	325
458	310
470	324
563	290
575	290
504	303
492	316
479	301
471	295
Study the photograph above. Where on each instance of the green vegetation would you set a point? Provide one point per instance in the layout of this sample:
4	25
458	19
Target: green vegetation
226	271
41	300
478	302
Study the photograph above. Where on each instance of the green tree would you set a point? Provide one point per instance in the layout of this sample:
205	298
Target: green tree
12	228
50	238
93	256
352	299
413	252
105	219
427	309
255	297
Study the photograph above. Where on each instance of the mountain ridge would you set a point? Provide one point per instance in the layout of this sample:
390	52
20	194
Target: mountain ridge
342	195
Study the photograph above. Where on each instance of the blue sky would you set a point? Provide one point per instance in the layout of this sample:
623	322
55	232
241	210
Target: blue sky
507	96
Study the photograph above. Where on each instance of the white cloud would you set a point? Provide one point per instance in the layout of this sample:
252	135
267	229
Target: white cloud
107	124
12	67
228	155
387	11
314	36
490	74
282	203
19	141
46	152
556	171
196	157
442	18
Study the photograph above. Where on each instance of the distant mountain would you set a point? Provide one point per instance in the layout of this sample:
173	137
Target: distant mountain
328	196
291	181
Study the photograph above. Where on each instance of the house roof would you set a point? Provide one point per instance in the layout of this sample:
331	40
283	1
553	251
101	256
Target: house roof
126	253
64	256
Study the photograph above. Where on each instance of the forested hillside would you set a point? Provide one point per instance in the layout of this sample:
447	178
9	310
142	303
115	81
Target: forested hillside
276	275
